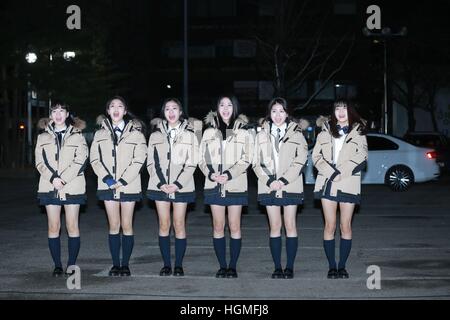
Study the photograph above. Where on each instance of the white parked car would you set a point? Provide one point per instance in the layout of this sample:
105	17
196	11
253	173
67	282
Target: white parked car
393	162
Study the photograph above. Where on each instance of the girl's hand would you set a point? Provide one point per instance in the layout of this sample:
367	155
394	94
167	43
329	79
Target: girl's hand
116	185
164	188
171	188
58	183
222	179
214	177
275	185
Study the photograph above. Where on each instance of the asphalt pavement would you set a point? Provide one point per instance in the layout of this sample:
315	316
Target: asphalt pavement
405	236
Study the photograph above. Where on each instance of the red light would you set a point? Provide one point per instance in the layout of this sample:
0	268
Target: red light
431	155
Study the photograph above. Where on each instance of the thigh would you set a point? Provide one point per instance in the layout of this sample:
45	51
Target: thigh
53	214
72	213
179	211
274	214
329	210
163	210
218	214
112	210
346	210
126	211
234	215
290	214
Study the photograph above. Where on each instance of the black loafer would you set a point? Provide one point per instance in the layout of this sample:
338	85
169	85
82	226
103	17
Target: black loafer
178	272
342	273
231	273
165	271
277	274
288	273
221	273
332	274
125	271
58	272
114	272
68	274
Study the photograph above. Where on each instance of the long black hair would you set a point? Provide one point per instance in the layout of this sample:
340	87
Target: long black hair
235	104
353	117
283	103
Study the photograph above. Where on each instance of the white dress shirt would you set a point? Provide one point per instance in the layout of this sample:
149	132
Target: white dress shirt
173	132
273	132
338	143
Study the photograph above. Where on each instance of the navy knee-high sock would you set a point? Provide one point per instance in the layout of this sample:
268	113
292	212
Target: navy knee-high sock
344	250
235	250
127	248
54	245
275	250
291	251
114	248
220	250
164	246
180	249
74	248
328	245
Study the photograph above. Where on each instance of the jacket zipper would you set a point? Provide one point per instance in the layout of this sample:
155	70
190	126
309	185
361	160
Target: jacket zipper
169	157
57	160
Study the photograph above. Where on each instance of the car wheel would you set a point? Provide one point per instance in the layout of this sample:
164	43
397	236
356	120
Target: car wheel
399	178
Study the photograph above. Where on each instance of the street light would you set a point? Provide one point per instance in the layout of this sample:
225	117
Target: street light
385	35
31	57
185	59
69	55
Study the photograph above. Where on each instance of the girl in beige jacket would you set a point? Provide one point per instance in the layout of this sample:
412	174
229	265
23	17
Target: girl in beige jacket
61	157
118	154
280	155
340	154
172	160
226	152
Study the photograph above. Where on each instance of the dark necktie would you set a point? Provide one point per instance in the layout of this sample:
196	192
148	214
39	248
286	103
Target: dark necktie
59	135
118	132
277	140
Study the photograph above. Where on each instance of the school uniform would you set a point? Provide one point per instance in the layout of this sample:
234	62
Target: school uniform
61	154
226	151
118	154
346	156
172	159
280	154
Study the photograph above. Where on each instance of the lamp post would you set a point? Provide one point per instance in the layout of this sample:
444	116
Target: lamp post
31	58
185	60
384	36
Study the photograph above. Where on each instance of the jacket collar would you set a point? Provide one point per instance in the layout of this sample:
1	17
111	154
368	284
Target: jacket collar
212	120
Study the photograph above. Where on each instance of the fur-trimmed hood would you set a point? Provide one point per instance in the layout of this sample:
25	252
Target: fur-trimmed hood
323	122
302	123
212	120
103	121
78	124
190	123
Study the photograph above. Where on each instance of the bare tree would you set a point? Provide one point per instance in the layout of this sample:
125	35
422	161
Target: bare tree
417	79
295	49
